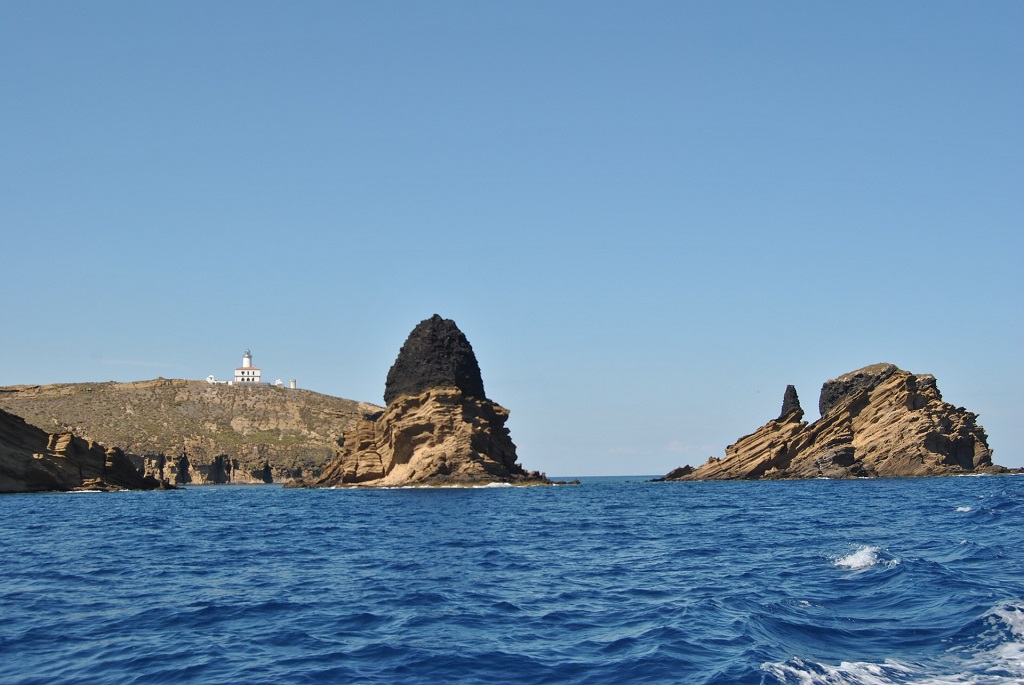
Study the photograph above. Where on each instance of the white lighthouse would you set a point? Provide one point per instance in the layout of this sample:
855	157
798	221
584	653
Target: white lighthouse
247	373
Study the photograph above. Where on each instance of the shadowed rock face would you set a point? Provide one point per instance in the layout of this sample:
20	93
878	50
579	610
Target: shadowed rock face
435	355
32	460
790	403
835	391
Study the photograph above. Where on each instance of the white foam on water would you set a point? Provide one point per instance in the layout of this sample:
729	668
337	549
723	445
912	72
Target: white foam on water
997	659
864	557
965	509
800	672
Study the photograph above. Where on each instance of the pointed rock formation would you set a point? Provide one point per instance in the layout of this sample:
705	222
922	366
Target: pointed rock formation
32	460
438	428
790	403
876	421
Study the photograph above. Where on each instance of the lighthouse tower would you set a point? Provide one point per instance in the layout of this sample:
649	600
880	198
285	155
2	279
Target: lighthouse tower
247	373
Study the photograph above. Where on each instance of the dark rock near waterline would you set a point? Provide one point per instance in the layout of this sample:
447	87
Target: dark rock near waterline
791	404
435	355
675	474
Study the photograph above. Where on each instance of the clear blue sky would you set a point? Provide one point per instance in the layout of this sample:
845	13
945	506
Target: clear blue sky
647	217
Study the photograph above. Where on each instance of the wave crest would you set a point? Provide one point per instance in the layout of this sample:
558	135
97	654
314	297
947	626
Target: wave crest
865	557
995	657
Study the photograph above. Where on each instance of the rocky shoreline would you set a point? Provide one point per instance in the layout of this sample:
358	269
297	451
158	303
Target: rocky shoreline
438	428
194	433
32	460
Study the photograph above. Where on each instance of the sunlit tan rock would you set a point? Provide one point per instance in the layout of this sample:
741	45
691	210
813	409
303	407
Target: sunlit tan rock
879	421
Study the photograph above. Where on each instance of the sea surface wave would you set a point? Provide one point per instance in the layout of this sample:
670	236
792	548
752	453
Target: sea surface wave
615	580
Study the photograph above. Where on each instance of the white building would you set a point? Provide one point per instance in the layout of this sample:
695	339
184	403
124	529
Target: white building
247	373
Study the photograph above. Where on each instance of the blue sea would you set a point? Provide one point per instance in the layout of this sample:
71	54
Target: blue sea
612	581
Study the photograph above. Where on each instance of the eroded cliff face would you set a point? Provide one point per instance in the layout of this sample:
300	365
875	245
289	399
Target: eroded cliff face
438	427
439	437
192	432
32	460
879	421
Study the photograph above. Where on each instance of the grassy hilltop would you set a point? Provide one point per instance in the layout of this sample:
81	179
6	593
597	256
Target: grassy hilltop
225	433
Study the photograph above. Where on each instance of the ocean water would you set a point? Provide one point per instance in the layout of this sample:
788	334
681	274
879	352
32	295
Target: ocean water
611	581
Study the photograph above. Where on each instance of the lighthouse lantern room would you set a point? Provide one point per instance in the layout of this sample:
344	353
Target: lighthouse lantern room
247	373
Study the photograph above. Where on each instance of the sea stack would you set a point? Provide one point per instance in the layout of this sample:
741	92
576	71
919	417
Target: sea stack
439	427
791	404
878	421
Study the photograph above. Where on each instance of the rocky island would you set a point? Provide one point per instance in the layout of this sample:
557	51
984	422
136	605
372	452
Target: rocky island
439	427
879	421
32	460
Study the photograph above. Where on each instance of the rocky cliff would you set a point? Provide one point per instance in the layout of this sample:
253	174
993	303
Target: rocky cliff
192	432
879	421
32	460
438	427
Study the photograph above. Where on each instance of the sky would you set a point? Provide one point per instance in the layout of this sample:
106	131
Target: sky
648	218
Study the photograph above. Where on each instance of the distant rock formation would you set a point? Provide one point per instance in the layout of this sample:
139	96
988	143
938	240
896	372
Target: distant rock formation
438	428
879	421
195	433
32	460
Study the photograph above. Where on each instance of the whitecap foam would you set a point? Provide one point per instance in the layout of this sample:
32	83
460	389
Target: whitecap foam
852	673
964	509
996	659
1000	651
864	557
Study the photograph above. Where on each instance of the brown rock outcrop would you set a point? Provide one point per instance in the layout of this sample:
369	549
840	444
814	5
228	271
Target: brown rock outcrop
435	432
194	433
32	460
879	421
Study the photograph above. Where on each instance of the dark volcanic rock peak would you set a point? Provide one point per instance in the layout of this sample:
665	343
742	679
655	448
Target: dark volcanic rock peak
833	392
791	403
435	355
